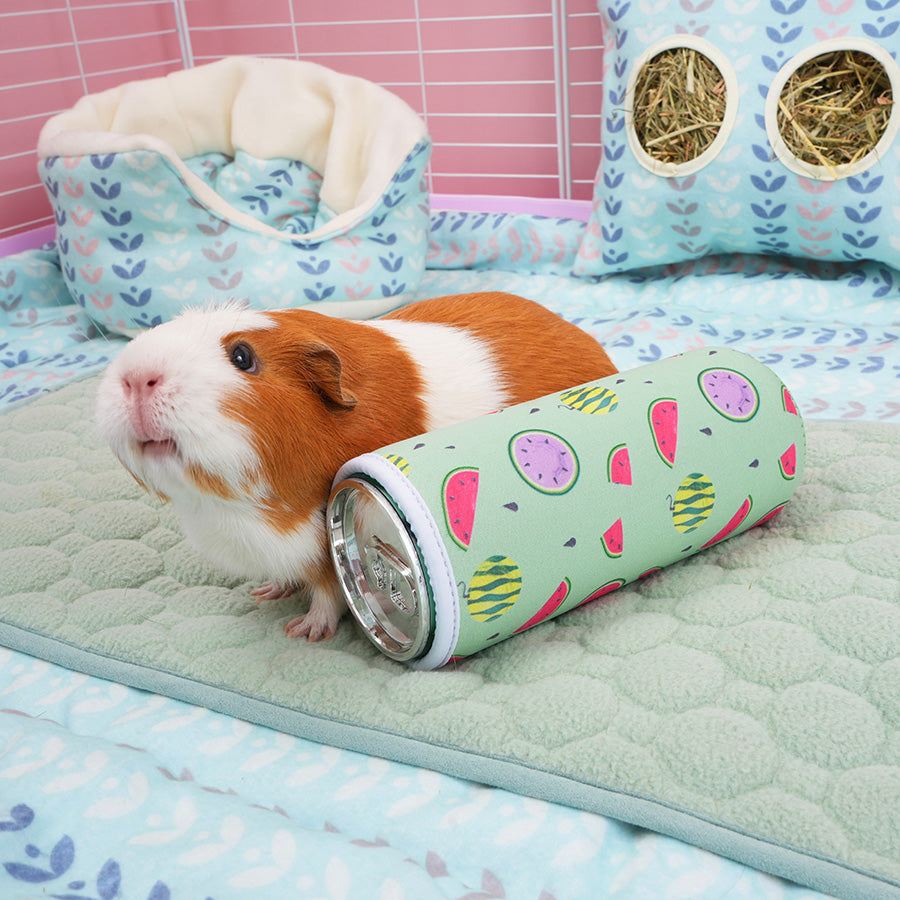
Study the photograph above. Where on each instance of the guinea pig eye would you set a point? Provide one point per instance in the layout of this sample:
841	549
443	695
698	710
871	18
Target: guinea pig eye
243	358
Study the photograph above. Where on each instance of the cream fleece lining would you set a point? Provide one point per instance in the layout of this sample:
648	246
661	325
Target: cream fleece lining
351	131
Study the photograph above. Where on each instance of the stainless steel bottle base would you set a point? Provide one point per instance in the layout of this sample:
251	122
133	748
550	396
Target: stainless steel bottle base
379	569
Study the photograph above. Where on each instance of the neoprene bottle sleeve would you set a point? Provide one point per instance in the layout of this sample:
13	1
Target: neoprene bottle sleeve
485	529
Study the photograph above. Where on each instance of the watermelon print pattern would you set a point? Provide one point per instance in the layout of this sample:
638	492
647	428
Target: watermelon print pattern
663	416
544	460
693	502
787	462
613	540
619	465
770	515
567	498
460	495
734	523
607	588
399	461
493	589
730	394
788	402
549	608
596	401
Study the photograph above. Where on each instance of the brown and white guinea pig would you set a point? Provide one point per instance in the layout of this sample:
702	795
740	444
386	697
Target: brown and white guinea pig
242	418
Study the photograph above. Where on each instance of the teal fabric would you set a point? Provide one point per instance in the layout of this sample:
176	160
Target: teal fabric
277	180
746	195
136	246
78	797
829	332
505	844
745	700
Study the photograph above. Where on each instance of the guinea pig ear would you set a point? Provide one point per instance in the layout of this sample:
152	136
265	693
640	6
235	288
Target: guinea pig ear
324	368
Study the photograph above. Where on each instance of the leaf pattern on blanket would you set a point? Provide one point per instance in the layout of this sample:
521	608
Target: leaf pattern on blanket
532	848
188	844
830	332
137	241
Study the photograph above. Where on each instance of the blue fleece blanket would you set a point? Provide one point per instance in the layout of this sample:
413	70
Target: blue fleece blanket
830	333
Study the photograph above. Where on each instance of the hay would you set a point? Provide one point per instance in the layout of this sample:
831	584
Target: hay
835	108
679	105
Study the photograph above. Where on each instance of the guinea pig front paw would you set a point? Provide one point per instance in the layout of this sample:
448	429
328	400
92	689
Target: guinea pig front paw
271	590
321	622
312	627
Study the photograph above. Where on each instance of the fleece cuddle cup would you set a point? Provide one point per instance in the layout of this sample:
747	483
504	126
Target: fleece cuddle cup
272	179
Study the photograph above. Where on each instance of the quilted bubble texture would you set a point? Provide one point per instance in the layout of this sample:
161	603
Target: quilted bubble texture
755	686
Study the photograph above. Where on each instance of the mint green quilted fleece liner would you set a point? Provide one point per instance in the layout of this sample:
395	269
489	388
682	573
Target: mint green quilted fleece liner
746	700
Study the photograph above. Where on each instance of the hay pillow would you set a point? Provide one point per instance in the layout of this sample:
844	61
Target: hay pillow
275	180
767	131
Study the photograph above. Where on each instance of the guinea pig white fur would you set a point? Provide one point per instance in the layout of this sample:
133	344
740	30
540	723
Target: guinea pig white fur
241	418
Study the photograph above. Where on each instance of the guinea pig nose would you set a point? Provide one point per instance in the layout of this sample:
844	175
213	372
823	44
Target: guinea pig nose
141	383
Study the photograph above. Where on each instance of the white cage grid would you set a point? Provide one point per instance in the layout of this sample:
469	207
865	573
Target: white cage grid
509	89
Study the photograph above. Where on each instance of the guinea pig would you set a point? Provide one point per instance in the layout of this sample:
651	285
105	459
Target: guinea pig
241	418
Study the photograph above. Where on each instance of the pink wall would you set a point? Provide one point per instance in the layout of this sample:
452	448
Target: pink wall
487	75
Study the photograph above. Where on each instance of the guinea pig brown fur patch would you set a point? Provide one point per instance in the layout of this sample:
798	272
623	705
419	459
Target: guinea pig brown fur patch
315	401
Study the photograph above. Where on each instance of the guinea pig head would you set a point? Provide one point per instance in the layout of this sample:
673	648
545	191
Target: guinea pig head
230	404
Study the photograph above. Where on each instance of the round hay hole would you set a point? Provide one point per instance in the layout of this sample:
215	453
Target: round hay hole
834	108
679	105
